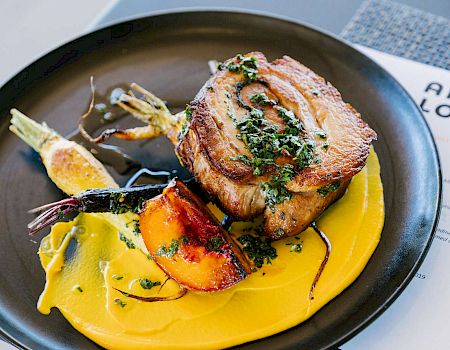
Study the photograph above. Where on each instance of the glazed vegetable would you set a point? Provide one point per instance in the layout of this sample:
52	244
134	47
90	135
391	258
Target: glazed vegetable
70	166
148	109
104	200
116	201
208	260
188	243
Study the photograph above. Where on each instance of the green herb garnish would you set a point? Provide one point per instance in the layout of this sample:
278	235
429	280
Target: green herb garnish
169	251
266	143
186	121
275	189
262	99
290	119
247	65
119	302
279	232
118	204
137	209
263	139
136	228
214	244
258	249
127	241
297	248
148	284
323	191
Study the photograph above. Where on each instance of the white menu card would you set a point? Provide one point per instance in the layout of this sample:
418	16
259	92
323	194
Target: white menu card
420	317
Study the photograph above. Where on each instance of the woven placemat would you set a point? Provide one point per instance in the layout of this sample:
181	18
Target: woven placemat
402	31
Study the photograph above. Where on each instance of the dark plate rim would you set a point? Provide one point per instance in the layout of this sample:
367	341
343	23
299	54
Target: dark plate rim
257	13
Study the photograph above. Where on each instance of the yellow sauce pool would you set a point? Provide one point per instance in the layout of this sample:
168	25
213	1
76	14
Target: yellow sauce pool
81	284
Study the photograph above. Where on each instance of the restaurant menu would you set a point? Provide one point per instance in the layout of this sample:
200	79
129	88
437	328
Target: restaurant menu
420	317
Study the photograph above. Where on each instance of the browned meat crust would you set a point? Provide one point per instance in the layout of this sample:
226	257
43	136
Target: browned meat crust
349	136
214	153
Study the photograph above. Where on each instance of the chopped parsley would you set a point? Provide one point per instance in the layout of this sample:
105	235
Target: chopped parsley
186	121
127	241
263	139
323	191
279	232
184	240
265	143
188	113
119	302
247	65
118	204
137	209
168	251
296	248
60	214
290	119
258	249
260	139
214	244
262	99
275	189
148	284
117	277
137	228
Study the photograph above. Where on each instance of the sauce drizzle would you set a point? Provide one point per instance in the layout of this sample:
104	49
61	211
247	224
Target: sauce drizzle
176	296
327	242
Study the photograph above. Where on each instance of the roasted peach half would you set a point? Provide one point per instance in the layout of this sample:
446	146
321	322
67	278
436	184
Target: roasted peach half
188	243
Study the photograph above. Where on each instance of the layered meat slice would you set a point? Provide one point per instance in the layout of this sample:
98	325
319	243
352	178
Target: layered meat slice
273	138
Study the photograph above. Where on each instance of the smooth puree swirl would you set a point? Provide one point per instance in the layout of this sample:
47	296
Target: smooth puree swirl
273	299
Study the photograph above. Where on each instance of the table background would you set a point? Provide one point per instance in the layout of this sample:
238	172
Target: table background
331	15
31	28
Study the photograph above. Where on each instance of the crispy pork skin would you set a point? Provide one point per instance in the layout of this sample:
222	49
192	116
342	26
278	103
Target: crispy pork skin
273	138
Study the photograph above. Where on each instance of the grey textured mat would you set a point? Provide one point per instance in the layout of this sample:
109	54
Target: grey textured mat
402	31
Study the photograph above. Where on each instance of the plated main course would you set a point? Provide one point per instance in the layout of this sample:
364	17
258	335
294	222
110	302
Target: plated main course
270	146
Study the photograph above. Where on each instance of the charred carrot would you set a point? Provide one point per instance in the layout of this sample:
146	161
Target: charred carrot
105	200
69	165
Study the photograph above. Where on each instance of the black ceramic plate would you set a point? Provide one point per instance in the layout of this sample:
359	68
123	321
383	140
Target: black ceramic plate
168	53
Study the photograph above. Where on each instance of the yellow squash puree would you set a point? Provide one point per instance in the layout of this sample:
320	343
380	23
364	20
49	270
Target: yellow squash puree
80	282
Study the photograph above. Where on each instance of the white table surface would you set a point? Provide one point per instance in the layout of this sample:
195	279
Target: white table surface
31	28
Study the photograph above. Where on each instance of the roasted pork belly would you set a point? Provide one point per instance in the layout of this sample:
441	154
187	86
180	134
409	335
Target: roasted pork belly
272	138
